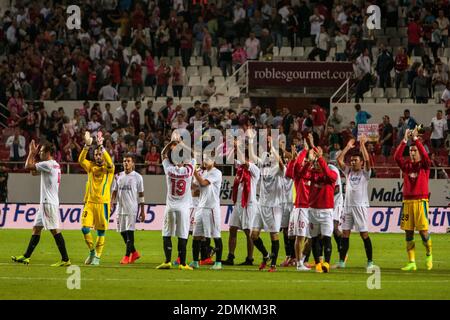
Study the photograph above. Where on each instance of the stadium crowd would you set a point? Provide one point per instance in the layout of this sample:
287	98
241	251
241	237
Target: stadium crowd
43	60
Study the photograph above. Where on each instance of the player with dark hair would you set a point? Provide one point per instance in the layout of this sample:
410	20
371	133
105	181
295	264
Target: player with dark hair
47	216
96	210
128	190
176	216
321	205
299	220
416	171
356	199
207	215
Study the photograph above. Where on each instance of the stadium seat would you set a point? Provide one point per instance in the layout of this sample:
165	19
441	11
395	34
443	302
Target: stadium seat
276	51
234	91
223	102
307	42
205	71
192	71
196	91
395	100
369	100
219	80
307	51
408	101
378	93
403	93
286	52
394	42
402	32
437	96
391	93
185	99
194	81
216	72
381	100
447	52
204	80
298	52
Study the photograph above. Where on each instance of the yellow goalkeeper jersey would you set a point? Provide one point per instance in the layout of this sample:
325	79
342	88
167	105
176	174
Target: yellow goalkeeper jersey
100	178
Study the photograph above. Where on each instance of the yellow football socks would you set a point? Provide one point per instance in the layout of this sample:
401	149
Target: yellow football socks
89	241
99	244
428	246
411	249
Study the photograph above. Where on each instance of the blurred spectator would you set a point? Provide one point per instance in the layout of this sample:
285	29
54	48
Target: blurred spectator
443	24
341	40
447	146
410	121
361	67
335	119
107	118
186	44
414	34
135	117
177	79
108	92
206	47
361	116
387	137
137	84
94	125
384	66
319	117
149	117
150	78
446	94
252	47
153	160
321	48
316	20
16	145
419	89
162	78
267	45
3	184
436	171
438	130
210	89
121	114
400	66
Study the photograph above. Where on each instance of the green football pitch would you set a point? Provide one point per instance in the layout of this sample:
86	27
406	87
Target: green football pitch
141	281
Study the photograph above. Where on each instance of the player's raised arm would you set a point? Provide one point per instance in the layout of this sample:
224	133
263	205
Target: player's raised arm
30	163
108	160
166	150
202	182
341	158
365	153
84	163
398	155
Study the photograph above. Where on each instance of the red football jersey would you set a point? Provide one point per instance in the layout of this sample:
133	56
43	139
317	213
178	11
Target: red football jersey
321	193
415	174
300	174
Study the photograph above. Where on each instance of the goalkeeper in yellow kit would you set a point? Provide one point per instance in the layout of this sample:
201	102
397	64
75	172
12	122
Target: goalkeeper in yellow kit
97	198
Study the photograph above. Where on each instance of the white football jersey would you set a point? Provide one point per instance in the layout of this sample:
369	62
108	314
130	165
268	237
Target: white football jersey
128	187
357	183
288	189
271	184
210	195
178	181
50	181
254	172
338	196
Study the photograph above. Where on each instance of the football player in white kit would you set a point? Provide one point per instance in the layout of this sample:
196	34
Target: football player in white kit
128	191
338	207
268	217
356	198
287	206
245	207
47	216
207	216
178	201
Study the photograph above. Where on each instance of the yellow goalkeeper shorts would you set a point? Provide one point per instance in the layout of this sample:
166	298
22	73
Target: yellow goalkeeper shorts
96	215
414	215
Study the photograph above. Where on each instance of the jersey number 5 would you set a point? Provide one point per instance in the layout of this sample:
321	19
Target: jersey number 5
178	187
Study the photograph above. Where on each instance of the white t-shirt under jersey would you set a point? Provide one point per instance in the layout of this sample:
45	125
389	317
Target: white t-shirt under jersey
254	172
210	194
179	181
50	180
338	196
271	184
357	183
128	187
